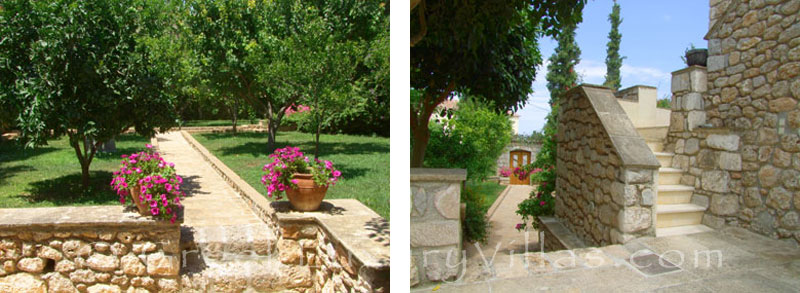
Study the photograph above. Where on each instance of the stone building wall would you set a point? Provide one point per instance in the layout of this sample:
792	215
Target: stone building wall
606	173
746	163
435	224
94	249
503	160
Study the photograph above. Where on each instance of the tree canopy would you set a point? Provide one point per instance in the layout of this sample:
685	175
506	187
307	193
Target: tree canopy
83	69
485	49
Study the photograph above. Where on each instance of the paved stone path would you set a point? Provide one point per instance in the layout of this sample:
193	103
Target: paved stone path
495	258
727	260
210	200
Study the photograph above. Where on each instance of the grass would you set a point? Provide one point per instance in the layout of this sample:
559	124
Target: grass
209	123
51	175
364	161
487	190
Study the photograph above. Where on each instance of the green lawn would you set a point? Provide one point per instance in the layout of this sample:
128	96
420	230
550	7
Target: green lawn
488	190
51	175
209	123
363	160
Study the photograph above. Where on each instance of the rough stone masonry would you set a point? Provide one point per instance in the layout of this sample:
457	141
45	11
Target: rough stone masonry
605	188
745	165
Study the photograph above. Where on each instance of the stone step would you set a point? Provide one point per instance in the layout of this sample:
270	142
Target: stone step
675	194
669	176
664	158
673	215
656	146
229	242
682	230
262	275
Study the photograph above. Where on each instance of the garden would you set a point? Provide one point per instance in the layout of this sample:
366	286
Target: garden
82	98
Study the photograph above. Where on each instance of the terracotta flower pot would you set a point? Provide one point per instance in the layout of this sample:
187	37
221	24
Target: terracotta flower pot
308	195
135	193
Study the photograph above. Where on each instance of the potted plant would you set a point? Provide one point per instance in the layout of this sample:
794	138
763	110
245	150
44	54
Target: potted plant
144	173
304	181
695	56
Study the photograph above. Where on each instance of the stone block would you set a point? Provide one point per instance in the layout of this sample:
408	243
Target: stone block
31	265
724	205
633	219
103	263
22	282
691	146
448	201
695	119
692	101
132	265
779	198
715	63
103	288
728	142
442	264
730	161
633	176
716	181
768	176
698	82
435	233
159	264
680	82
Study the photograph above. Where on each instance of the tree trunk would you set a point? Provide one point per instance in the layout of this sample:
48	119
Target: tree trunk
271	136
235	113
84	157
419	123
316	143
420	134
85	175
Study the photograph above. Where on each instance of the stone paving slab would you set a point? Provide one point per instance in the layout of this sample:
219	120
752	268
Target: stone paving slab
217	221
749	263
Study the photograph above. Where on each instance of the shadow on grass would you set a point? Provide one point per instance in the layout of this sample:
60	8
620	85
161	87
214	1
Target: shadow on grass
11	151
67	190
326	148
8	172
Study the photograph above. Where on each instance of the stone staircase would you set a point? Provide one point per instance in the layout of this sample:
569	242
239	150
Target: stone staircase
676	214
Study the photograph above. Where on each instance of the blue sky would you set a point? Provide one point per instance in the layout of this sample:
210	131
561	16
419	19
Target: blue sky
654	36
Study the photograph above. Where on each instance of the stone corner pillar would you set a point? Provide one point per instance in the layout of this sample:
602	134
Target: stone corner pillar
689	86
436	224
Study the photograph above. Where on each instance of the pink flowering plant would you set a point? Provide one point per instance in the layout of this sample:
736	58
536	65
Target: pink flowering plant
162	195
290	160
154	178
505	172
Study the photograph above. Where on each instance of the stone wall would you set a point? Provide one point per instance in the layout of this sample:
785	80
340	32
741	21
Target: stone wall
89	249
435	224
342	247
606	173
746	165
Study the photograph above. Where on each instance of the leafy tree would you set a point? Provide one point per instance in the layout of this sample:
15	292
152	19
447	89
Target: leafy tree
234	40
613	59
486	49
473	139
83	69
561	76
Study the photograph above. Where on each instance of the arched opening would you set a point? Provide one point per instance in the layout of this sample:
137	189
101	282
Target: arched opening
518	158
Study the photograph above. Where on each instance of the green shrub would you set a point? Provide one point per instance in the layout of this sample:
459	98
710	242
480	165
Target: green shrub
472	139
475	224
664	103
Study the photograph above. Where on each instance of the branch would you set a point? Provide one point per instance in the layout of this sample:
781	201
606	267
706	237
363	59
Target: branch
423	26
